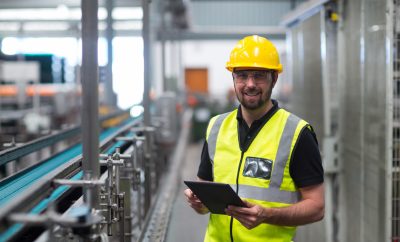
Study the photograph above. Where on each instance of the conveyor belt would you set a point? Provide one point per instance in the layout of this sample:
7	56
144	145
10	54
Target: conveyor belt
13	186
39	208
110	120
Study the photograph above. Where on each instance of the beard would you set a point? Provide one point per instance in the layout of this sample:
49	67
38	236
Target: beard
261	102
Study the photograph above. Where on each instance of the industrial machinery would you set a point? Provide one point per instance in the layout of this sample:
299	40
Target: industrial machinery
111	186
31	107
44	202
354	80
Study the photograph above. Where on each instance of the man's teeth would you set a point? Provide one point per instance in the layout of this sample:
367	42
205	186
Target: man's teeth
251	94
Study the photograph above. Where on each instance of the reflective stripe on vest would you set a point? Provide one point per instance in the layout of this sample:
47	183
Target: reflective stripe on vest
212	138
267	194
273	192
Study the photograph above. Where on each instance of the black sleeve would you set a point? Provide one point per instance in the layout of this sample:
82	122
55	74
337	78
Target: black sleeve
205	167
306	164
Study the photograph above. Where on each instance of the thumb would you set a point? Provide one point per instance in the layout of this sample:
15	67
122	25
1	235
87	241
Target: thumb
248	204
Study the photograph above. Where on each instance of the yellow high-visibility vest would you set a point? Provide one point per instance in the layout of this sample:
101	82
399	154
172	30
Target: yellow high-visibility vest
273	147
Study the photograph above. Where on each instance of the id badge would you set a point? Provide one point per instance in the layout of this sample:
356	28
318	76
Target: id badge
257	168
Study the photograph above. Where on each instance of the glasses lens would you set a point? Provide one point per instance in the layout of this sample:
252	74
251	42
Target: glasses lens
240	75
258	76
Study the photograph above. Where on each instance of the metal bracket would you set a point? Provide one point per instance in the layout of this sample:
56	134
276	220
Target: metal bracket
135	170
114	196
116	156
143	129
131	138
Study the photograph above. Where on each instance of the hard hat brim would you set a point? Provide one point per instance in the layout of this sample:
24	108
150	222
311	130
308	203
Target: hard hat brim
276	68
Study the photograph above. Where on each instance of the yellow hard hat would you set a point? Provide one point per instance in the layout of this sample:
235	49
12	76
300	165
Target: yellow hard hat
254	51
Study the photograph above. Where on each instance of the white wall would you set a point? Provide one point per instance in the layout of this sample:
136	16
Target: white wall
210	54
214	55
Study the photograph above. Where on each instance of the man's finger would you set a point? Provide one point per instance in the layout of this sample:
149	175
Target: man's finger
240	216
244	221
242	210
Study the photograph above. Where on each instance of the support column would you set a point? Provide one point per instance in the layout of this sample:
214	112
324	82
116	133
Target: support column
146	97
146	55
90	99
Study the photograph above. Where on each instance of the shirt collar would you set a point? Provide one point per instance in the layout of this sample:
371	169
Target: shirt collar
275	106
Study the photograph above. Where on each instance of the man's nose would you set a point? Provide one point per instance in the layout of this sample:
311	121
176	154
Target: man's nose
250	81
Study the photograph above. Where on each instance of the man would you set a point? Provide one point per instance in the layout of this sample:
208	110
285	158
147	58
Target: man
267	154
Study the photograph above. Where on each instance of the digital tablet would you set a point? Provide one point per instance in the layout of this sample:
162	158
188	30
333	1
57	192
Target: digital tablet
215	196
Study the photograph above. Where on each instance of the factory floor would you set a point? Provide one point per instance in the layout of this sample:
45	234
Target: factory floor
185	224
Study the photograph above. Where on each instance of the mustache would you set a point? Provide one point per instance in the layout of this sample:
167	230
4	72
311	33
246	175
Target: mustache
251	89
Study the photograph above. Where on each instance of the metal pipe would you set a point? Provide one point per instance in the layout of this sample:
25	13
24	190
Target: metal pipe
146	97
117	179
110	193
121	211
139	207
180	85
137	183
362	121
139	190
326	127
117	170
389	154
343	210
326	97
146	54
147	181
164	77
90	100
162	37
110	96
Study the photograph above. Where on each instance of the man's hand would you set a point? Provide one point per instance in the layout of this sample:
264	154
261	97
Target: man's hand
250	216
195	203
309	209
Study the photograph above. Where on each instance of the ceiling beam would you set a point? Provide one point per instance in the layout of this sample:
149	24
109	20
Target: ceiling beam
223	33
7	4
65	33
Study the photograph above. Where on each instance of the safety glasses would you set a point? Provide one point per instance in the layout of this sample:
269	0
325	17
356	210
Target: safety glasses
259	77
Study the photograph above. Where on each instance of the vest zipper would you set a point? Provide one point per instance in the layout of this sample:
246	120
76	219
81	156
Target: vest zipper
237	192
